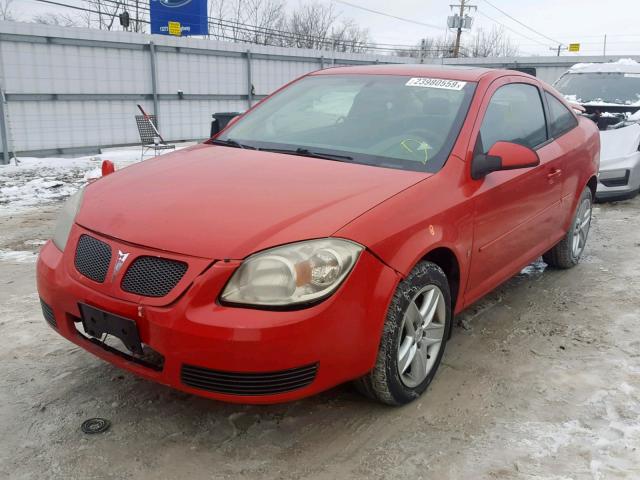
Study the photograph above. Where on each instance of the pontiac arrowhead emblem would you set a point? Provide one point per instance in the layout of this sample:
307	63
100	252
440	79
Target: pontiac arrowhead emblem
122	257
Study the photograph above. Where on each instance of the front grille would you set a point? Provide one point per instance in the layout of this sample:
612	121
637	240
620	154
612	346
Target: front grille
248	383
92	258
153	276
49	316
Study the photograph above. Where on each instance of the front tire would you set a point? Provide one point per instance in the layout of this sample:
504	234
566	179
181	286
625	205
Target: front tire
567	252
413	339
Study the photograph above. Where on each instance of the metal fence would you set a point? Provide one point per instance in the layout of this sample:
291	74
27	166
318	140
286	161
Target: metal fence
73	90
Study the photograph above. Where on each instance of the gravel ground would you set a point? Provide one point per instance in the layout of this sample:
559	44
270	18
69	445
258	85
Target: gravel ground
540	380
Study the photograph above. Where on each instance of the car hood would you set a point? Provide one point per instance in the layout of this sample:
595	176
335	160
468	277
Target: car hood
619	143
220	202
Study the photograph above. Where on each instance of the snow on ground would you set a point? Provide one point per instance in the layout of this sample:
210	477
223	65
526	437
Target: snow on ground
20	256
29	182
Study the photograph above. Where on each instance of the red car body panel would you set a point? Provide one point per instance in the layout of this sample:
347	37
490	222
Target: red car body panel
229	202
195	330
211	206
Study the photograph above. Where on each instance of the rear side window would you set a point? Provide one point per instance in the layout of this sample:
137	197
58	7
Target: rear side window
515	114
562	120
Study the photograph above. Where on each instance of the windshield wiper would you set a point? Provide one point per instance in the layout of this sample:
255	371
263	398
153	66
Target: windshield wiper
231	143
305	152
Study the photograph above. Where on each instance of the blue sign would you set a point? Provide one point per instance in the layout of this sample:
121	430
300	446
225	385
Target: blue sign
179	17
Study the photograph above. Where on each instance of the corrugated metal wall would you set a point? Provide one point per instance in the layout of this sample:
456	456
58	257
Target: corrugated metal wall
72	89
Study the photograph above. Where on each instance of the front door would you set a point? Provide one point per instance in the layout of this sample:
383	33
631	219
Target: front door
516	211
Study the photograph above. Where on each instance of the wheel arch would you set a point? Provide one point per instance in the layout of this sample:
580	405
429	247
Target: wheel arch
592	183
447	260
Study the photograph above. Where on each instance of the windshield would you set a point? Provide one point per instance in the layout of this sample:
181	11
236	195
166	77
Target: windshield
383	120
618	88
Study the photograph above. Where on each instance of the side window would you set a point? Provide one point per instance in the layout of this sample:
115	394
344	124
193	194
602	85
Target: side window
562	120
514	114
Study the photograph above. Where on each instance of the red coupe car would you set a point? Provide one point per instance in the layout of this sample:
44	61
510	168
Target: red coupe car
329	234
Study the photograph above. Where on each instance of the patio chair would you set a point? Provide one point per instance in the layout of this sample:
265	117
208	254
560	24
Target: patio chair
149	137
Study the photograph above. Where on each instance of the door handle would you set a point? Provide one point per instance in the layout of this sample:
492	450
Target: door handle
556	172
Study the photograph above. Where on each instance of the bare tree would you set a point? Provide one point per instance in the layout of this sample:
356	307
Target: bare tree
349	37
428	48
104	13
267	19
494	43
226	18
5	10
266	22
215	14
310	25
60	19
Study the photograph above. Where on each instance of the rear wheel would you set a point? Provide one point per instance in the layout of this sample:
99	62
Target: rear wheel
413	339
568	251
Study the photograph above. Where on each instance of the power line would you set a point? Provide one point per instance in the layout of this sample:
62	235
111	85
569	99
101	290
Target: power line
511	29
384	14
219	22
75	7
521	23
254	30
266	31
248	29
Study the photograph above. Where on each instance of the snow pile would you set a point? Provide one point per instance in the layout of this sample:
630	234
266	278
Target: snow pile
29	182
624	65
18	256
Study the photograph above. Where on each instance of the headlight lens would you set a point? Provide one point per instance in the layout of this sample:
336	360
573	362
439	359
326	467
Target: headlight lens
66	218
293	274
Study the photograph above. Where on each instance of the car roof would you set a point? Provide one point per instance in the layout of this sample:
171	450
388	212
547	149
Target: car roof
462	73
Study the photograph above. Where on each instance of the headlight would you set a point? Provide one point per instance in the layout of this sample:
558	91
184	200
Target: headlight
297	273
66	218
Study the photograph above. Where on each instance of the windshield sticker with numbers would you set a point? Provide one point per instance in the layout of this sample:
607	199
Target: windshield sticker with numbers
435	83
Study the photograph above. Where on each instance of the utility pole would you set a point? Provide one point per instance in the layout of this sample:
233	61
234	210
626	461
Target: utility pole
456	49
604	47
460	21
560	47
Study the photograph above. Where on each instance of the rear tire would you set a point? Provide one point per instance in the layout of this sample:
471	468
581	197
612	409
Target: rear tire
413	339
567	252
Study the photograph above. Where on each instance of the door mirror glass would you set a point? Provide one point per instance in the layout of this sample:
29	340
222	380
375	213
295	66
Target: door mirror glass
503	156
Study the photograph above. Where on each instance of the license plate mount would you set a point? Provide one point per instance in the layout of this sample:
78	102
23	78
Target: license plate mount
97	322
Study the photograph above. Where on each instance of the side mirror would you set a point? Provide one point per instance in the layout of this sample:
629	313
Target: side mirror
503	156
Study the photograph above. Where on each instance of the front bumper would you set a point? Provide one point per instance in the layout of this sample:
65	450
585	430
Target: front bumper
619	178
340	336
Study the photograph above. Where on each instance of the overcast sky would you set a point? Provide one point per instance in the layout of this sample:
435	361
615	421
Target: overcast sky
583	21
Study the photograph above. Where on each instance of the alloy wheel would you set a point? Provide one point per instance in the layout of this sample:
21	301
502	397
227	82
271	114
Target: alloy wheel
422	335
581	228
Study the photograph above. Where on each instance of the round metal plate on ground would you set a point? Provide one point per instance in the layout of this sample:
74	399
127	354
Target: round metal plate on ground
95	425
